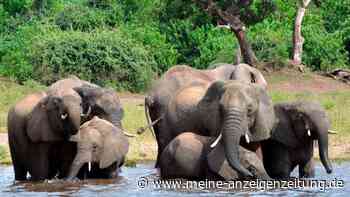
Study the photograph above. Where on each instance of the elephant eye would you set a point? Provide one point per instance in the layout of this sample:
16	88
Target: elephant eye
94	147
250	109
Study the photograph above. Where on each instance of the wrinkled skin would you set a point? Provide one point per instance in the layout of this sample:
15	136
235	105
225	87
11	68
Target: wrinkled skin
291	145
158	97
96	101
102	144
103	103
68	83
232	108
190	156
37	126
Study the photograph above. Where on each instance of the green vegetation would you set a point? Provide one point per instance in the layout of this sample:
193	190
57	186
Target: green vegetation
124	44
10	93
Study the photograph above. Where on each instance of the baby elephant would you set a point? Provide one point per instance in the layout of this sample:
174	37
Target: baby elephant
100	145
190	156
292	141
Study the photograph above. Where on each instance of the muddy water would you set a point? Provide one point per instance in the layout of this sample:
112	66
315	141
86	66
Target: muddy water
127	185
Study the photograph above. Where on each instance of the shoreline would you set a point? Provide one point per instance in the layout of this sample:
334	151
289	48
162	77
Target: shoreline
339	151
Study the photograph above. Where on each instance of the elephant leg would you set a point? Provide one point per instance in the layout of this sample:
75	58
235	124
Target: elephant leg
19	168
154	115
66	156
163	140
307	170
276	160
20	171
39	164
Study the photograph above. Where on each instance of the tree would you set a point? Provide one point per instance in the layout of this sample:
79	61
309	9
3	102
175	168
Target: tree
298	39
236	14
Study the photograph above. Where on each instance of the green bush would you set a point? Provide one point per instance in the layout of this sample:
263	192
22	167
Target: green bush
270	42
82	18
14	50
15	7
322	50
103	57
163	52
198	46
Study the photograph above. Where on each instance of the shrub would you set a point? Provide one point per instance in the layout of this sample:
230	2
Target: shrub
103	57
322	50
14	7
198	46
163	52
270	42
82	18
14	50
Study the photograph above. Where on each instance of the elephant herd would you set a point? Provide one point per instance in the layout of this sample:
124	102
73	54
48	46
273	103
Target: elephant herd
71	130
216	124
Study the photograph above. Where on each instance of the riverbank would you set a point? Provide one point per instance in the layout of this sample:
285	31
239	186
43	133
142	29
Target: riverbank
284	85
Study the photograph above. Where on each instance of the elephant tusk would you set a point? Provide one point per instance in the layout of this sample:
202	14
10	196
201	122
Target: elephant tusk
247	138
127	134
143	129
216	141
64	116
309	132
89	166
332	132
87	113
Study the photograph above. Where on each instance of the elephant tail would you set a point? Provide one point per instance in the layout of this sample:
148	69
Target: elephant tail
148	118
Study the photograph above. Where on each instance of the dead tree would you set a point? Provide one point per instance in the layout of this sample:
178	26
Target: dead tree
298	39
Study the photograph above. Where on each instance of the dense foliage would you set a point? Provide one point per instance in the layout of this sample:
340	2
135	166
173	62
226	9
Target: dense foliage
126	43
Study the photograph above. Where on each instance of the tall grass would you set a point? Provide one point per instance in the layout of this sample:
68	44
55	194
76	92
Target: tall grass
10	93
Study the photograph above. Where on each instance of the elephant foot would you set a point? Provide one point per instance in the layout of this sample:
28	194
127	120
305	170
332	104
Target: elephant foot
71	179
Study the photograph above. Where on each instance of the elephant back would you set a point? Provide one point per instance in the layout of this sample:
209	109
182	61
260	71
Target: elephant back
182	107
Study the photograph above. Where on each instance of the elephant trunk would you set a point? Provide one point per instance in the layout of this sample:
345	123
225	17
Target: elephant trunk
78	162
231	133
75	119
323	150
116	120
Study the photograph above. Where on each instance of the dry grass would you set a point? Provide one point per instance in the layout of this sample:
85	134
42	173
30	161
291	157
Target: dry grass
142	147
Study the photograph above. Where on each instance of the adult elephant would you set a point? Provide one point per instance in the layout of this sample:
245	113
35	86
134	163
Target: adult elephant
102	148
96	101
37	125
157	99
190	156
231	108
291	145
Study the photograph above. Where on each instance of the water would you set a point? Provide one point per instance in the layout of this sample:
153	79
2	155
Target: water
127	185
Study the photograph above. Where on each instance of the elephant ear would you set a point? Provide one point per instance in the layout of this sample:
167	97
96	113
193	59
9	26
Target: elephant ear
38	126
283	132
217	163
265	116
84	91
115	147
214	92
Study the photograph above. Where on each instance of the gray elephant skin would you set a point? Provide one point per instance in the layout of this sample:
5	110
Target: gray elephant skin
102	146
291	144
38	125
96	101
190	156
234	109
157	99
